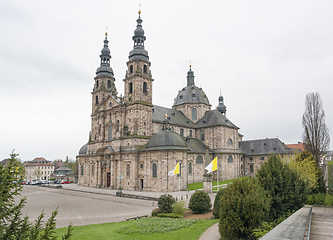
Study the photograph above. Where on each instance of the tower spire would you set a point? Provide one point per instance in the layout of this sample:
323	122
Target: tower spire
190	76
105	56
139	38
221	107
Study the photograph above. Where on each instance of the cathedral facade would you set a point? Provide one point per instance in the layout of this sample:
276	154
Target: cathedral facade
136	143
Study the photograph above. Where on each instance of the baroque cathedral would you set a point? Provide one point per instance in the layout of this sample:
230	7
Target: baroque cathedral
135	143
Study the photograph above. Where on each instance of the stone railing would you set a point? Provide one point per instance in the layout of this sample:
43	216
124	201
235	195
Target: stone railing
294	227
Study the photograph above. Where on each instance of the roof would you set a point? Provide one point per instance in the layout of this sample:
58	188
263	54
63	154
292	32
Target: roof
264	147
194	145
166	139
5	161
191	94
214	118
299	145
175	117
83	149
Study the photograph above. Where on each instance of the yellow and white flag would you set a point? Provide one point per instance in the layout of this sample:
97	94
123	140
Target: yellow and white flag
175	171
212	166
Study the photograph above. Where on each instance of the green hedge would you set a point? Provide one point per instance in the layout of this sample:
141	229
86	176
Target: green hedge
169	215
320	199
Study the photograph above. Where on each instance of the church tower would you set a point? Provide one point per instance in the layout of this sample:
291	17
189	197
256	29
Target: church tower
104	80
138	86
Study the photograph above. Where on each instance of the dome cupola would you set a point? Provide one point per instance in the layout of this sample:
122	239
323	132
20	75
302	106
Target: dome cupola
105	69
139	38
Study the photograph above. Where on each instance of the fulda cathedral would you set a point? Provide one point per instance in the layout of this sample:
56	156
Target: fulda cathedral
142	142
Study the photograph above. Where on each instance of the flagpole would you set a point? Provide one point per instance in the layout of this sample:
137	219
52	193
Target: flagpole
218	182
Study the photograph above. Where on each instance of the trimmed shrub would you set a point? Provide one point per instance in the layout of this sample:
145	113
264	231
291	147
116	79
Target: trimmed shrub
179	208
320	199
155	212
200	202
165	203
216	208
169	215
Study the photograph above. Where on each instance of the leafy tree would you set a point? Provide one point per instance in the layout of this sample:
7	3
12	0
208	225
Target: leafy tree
316	136
244	205
200	202
12	225
165	203
330	177
216	208
287	190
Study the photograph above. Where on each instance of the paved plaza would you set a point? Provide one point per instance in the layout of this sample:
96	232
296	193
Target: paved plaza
82	208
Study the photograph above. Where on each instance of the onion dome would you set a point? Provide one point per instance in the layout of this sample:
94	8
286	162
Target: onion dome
139	38
191	93
105	69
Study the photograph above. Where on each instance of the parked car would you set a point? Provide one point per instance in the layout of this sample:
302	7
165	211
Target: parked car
64	182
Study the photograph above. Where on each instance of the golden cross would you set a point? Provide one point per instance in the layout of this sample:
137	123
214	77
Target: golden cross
139	8
190	64
106	30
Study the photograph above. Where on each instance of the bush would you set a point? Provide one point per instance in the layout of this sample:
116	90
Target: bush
244	205
179	208
200	202
216	208
155	212
165	203
169	215
320	199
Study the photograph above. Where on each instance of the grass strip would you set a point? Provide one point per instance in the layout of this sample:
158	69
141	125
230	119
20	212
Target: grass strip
117	230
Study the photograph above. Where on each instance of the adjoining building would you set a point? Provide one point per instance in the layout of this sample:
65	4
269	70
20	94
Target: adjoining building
138	143
38	169
63	173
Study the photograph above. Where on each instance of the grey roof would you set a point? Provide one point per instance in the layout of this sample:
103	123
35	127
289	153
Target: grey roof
194	145
264	147
175	117
214	118
83	149
63	170
191	93
166	139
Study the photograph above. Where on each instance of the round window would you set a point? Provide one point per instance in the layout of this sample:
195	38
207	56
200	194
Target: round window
251	158
141	165
110	104
262	158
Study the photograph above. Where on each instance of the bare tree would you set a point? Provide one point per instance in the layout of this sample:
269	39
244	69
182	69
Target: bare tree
316	136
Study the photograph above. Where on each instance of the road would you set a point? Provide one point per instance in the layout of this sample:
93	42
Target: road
81	208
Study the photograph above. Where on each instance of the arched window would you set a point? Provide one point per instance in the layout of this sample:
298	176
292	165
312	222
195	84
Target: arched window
92	170
199	159
190	133
182	132
229	142
202	135
96	84
251	168
160	128
194	114
190	168
110	133
145	69
130	87
251	158
96	100
131	69
109	83
81	169
128	170
230	159
154	170
144	87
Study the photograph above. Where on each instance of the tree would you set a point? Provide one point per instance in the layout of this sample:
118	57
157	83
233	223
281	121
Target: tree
243	206
316	136
165	203
12	225
287	190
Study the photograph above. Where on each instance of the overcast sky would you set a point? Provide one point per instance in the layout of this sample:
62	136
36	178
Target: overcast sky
265	56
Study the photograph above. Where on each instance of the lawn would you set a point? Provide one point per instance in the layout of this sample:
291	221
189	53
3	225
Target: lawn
145	228
199	185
